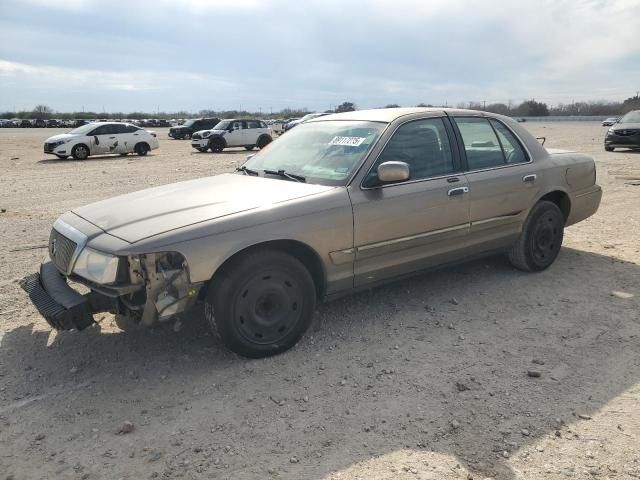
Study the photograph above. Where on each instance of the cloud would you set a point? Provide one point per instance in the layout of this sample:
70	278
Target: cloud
278	53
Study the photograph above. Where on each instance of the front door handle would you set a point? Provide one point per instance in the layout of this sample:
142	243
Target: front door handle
529	178
458	191
112	138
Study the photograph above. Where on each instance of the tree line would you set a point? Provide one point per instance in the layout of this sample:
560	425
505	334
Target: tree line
528	108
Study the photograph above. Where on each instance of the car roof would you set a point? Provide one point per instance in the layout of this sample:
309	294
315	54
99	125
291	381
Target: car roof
388	115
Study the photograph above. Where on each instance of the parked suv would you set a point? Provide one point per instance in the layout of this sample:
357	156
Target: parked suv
625	133
233	133
102	138
189	127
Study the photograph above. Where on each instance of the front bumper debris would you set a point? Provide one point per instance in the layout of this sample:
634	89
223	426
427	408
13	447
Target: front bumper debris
61	306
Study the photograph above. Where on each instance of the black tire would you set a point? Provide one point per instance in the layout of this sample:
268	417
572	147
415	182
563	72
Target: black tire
62	157
124	154
201	149
80	152
263	141
142	149
541	238
249	147
216	145
608	148
263	303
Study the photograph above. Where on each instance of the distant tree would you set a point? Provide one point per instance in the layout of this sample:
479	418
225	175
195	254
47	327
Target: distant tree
631	103
424	105
346	107
392	105
499	108
42	111
531	108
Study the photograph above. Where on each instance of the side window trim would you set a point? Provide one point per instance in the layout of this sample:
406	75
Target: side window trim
495	132
456	159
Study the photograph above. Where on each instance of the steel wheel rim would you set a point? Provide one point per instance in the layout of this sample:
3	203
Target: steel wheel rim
82	152
268	307
546	236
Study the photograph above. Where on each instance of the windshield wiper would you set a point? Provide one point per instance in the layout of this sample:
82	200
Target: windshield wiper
282	173
247	171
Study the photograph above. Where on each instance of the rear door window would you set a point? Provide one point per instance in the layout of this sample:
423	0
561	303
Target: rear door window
513	151
481	144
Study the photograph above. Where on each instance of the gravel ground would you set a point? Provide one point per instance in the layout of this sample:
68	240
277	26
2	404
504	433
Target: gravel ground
426	378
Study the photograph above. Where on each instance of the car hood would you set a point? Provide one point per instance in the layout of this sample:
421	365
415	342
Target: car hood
625	126
140	215
62	136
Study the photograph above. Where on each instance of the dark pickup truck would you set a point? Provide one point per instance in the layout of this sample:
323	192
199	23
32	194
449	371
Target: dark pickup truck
189	127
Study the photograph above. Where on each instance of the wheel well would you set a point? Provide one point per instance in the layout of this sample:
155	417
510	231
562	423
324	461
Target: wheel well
561	199
302	252
142	143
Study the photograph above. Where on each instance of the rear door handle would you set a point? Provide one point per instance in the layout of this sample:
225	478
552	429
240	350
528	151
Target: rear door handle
529	178
458	191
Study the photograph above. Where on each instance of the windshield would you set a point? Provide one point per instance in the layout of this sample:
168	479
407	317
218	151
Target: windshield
326	153
631	117
84	129
188	123
222	125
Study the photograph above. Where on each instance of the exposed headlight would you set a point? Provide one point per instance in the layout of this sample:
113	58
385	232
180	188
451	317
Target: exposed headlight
611	131
206	134
96	266
57	143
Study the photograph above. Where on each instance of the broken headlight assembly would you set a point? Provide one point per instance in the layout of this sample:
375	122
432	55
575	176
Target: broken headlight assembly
96	266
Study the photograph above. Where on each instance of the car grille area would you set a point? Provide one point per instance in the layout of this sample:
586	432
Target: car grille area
628	132
196	136
61	250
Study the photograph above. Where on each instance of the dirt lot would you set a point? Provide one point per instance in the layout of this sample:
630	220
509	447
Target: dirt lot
424	379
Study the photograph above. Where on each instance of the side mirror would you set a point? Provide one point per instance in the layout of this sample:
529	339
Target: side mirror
95	139
393	172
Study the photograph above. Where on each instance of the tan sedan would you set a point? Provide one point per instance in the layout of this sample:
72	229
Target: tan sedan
340	203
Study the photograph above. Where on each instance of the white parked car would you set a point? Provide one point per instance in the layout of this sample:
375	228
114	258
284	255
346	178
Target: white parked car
102	138
233	133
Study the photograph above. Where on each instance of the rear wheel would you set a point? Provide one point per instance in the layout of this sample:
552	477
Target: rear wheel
541	238
263	142
249	147
80	152
261	303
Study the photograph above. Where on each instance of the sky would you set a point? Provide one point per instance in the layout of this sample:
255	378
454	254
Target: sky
263	55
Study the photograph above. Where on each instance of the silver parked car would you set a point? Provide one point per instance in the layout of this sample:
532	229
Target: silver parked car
341	203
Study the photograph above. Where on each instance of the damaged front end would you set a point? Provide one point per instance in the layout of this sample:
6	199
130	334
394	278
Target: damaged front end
148	288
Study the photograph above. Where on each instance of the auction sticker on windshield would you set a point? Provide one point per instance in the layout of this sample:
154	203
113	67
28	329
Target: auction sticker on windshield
347	141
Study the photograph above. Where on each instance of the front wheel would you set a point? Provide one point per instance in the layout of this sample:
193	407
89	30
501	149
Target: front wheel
249	147
261	303
541	238
62	157
201	149
80	152
608	148
142	149
216	145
